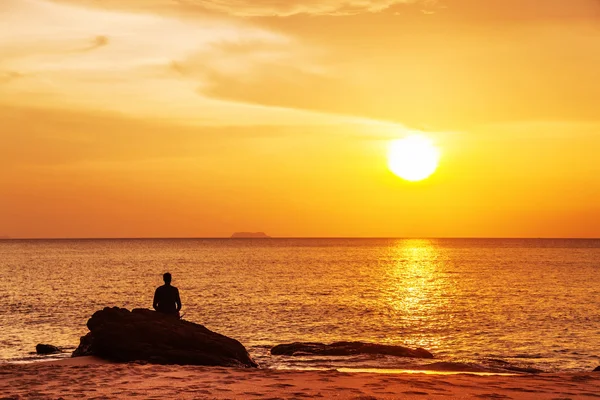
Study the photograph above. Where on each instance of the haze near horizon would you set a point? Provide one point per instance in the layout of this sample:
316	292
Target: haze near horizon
200	119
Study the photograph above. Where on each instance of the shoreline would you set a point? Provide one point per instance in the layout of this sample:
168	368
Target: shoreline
93	360
91	377
437	367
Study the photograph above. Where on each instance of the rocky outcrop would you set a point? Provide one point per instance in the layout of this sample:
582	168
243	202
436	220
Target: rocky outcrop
120	335
44	349
347	349
597	369
250	235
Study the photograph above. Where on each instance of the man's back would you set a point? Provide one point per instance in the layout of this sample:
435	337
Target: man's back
166	299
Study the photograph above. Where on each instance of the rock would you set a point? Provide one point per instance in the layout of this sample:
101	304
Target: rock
597	369
347	349
120	335
46	349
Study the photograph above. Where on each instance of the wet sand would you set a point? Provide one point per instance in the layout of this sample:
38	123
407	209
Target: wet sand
92	378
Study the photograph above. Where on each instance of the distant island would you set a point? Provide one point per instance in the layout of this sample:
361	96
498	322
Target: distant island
250	235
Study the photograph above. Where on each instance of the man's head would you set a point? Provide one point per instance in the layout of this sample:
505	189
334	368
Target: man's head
167	278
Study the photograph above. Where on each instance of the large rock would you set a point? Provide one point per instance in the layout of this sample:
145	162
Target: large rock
597	369
120	335
347	349
44	349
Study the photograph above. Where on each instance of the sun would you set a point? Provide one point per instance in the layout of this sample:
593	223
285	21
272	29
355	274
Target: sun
413	158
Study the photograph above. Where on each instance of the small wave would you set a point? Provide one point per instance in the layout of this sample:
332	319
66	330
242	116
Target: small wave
528	356
449	366
37	358
501	364
415	371
445	367
523	356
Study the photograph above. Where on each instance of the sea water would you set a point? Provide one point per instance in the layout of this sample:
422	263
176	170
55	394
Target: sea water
491	302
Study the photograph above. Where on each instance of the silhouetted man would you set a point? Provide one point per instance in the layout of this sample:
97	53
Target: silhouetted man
166	298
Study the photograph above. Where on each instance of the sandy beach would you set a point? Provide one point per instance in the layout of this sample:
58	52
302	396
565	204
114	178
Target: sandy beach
92	378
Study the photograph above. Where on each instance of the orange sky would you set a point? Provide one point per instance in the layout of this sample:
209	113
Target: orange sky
164	118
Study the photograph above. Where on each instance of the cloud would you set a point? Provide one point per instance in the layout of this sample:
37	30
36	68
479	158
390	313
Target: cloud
290	7
472	10
50	43
152	66
35	137
8	76
524	11
97	42
257	8
33	30
200	68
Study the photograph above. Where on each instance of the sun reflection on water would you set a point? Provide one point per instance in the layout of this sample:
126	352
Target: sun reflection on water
417	289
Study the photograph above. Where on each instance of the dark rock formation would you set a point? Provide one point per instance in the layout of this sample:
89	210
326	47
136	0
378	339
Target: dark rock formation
120	335
44	349
347	349
597	369
250	235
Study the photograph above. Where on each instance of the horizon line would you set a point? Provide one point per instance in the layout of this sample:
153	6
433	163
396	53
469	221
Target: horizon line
8	238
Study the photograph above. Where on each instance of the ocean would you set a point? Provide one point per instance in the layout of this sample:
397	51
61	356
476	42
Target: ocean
488	302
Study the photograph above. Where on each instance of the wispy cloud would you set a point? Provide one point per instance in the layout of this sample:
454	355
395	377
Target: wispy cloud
145	65
255	8
485	9
51	42
96	43
8	76
295	7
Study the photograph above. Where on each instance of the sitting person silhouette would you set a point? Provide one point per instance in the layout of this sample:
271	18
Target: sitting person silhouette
166	298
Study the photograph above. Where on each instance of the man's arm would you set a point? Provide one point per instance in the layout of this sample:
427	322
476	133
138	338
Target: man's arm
177	300
155	301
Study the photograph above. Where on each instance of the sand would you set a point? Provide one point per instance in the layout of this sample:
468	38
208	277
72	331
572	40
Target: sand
92	378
